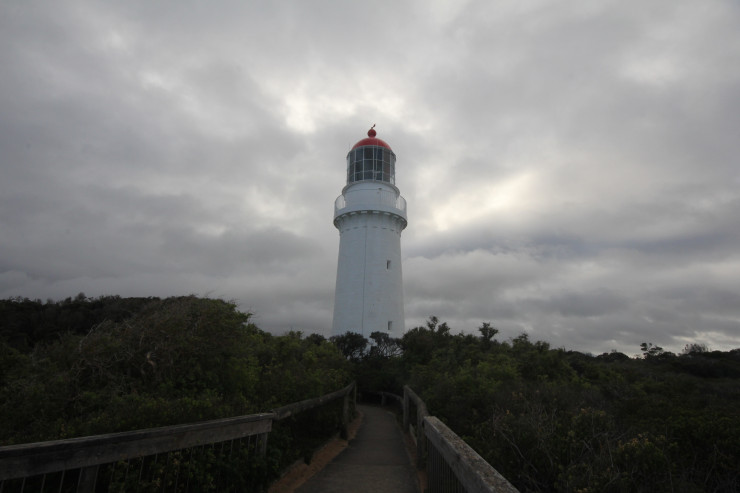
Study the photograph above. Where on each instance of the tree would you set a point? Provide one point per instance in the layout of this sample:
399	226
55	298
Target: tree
316	339
385	346
650	350
695	347
351	344
487	333
439	328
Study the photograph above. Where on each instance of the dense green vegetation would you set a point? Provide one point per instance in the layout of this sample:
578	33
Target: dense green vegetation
556	420
89	366
547	419
81	367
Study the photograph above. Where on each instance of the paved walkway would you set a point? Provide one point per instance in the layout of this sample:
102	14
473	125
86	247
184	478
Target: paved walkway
376	460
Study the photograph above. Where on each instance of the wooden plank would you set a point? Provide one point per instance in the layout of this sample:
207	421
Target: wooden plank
30	459
473	472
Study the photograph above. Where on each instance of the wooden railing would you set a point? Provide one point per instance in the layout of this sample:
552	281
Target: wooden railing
161	459
451	464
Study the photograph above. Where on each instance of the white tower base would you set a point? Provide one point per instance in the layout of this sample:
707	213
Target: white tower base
370	217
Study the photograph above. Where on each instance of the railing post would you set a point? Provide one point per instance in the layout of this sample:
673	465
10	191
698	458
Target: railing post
88	478
344	433
405	409
420	444
262	444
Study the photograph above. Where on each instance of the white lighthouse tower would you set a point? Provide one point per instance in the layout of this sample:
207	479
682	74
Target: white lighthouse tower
370	215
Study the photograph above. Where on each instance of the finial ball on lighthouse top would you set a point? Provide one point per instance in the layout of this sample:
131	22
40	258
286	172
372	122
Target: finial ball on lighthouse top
371	140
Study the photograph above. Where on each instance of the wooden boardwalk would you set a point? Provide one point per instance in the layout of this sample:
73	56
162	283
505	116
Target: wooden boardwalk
376	460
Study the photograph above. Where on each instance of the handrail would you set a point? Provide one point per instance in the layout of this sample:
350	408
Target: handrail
472	472
384	396
89	453
364	199
296	407
421	413
451	464
30	459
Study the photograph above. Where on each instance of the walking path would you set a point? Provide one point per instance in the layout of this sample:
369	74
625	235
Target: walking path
376	460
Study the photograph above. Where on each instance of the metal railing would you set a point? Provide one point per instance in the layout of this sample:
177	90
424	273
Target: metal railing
451	464
370	199
211	455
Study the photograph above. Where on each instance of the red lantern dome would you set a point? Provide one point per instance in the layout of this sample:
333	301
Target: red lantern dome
371	140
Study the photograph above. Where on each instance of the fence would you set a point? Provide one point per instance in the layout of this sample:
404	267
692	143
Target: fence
213	455
451	464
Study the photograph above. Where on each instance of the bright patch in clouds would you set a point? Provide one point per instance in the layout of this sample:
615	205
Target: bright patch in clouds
309	107
510	197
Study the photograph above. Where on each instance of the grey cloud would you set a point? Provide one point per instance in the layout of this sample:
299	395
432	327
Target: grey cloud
570	170
583	304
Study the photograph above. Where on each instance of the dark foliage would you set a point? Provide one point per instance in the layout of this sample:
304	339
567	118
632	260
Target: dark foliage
25	323
556	420
547	419
152	363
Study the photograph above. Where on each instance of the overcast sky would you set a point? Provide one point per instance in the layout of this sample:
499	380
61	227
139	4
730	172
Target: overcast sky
571	168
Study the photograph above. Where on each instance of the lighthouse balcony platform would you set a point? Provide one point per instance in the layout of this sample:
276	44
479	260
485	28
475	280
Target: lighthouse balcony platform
379	200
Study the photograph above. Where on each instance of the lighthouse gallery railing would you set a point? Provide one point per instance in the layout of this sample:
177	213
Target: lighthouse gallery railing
383	198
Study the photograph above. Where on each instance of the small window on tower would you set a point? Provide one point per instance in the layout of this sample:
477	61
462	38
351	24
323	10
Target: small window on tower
388	264
390	325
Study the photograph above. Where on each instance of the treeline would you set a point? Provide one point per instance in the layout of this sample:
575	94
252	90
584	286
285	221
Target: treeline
556	420
547	419
87	366
24	323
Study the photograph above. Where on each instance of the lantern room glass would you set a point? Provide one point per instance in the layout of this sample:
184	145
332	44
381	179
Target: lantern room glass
371	163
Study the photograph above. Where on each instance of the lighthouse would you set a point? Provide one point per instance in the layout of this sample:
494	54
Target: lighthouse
370	216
